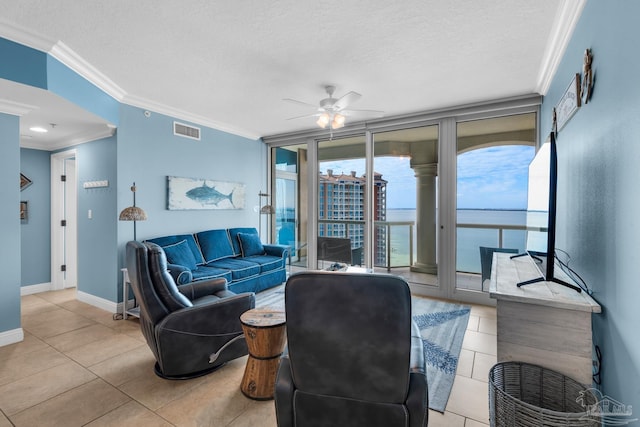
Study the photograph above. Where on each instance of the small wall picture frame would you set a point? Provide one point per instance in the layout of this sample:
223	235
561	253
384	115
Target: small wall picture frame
569	103
24	181
24	211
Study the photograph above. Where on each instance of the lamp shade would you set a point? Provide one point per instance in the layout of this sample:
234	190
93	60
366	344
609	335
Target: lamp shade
267	209
133	213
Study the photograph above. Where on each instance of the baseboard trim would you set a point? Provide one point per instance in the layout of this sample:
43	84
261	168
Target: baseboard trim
11	337
97	302
35	289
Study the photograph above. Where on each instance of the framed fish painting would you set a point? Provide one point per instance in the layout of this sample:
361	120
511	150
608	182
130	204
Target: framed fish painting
197	193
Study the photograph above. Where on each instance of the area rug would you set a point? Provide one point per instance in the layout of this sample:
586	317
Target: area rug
442	326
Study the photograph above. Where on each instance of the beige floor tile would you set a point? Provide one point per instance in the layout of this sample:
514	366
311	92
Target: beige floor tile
483	311
59	296
31	304
478	341
29	344
465	363
130	414
488	325
124	367
54	322
473	322
481	366
75	407
448	419
473	423
207	405
98	351
80	337
83	309
24	365
469	398
29	391
261	414
4	421
154	392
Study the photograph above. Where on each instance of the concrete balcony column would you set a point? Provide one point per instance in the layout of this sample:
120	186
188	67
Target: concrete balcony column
426	218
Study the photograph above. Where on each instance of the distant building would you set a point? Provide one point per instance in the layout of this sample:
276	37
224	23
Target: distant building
341	198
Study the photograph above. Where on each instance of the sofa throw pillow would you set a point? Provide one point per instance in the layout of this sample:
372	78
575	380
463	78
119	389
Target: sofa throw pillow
179	253
250	244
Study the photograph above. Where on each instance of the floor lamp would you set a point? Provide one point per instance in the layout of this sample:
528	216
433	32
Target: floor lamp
133	213
265	209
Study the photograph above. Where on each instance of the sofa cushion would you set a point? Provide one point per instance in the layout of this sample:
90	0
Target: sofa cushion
180	254
250	244
215	245
204	272
240	268
233	234
191	241
267	262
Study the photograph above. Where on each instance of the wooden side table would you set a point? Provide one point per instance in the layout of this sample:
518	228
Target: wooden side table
264	330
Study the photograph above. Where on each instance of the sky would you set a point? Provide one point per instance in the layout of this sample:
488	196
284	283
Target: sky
488	178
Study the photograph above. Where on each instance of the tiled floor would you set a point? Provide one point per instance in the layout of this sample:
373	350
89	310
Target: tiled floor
77	366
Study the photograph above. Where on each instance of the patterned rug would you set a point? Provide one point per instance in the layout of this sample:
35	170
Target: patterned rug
442	326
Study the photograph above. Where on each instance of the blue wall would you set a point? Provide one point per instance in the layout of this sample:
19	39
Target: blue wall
23	64
148	152
97	254
65	82
599	174
36	232
10	222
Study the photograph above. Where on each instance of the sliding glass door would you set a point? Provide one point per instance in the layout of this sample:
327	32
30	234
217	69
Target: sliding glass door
493	155
341	201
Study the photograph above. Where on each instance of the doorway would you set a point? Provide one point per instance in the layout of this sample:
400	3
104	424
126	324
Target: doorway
64	220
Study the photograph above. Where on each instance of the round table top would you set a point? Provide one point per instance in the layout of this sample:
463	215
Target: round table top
263	317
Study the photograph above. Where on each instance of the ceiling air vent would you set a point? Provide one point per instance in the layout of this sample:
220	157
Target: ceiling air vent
186	131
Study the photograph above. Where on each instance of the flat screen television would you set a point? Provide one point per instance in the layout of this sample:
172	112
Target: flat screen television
541	213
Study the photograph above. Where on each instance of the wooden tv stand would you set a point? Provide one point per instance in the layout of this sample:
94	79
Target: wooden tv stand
543	323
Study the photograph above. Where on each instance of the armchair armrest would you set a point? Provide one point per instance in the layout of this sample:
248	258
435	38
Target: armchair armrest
284	393
197	320
199	289
277	250
180	273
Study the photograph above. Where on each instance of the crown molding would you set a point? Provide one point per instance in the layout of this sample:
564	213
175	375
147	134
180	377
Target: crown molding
69	141
15	108
147	104
561	32
21	35
71	59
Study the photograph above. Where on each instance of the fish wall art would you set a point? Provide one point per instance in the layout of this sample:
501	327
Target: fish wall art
198	193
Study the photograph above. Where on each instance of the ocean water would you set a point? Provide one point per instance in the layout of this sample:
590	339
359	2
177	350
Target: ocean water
468	239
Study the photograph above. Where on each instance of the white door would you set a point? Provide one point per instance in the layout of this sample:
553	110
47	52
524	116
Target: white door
64	221
71	229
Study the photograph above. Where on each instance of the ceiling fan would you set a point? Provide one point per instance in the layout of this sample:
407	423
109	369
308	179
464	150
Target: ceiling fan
333	111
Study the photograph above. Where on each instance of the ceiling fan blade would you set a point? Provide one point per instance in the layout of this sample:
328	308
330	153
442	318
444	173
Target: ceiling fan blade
306	116
346	100
370	114
294	101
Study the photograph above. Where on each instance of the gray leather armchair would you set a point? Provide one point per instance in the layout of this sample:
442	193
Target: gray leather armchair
354	356
191	329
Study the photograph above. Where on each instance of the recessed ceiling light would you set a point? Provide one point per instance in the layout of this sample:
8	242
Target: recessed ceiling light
38	129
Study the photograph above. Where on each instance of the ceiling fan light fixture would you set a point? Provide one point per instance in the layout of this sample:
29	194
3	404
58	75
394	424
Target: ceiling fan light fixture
323	120
338	121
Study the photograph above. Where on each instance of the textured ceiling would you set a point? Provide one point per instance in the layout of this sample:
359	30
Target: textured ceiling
230	64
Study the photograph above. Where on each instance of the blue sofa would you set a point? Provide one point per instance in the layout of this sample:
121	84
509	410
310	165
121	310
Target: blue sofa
236	254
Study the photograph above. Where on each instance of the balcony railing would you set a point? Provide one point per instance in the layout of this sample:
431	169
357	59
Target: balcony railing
395	240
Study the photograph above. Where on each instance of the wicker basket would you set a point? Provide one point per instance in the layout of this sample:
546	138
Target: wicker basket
527	395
